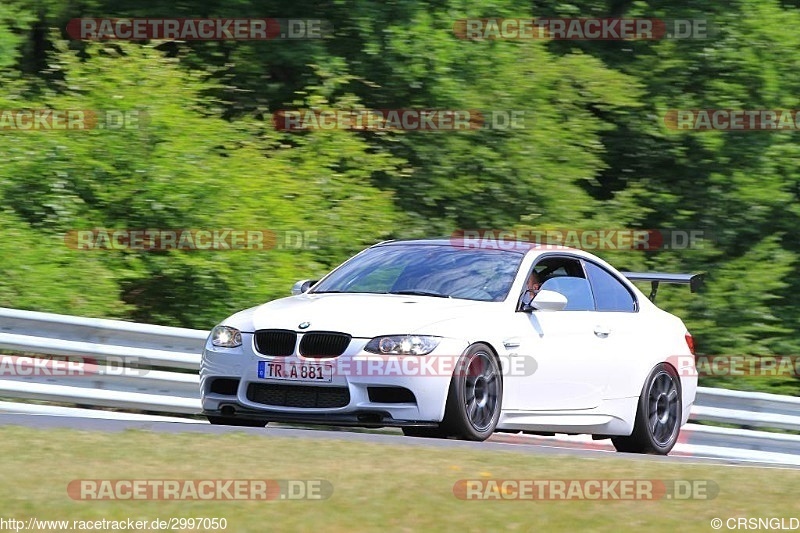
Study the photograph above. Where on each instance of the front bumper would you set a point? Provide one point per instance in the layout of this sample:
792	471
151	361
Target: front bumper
425	408
368	419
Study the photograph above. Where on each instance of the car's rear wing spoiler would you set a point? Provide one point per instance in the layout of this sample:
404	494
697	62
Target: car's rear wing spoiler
694	281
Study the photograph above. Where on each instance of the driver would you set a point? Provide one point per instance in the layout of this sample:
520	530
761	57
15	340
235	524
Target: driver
531	288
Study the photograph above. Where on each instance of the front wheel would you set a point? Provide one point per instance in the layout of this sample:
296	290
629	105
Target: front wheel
658	416
475	395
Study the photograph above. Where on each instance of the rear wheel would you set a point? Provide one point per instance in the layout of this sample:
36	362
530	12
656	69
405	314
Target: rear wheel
475	395
658	416
241	422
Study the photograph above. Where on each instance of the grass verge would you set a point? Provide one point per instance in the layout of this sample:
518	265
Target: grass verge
377	487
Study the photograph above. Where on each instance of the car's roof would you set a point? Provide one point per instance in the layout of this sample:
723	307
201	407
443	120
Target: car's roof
429	241
478	244
512	246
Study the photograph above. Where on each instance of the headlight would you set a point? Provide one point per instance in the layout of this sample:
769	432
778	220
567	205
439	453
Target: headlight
402	344
226	337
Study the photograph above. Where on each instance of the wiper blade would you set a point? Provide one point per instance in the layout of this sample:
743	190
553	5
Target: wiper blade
413	292
344	292
326	292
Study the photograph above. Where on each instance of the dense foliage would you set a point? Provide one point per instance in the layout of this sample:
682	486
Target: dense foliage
594	152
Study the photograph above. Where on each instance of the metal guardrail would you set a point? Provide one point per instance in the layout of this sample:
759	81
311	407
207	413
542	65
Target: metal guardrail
747	409
168	383
53	334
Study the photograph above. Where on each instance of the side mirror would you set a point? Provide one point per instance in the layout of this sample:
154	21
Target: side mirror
302	286
549	301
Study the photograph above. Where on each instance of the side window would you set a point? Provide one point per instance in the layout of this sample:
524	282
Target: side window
565	276
609	293
576	290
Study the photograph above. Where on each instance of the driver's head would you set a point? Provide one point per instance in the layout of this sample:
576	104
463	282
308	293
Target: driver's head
533	282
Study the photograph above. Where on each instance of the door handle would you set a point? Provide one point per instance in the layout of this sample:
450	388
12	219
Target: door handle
511	343
602	331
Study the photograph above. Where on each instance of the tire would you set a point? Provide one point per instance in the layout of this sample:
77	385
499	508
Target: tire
475	395
658	416
240	422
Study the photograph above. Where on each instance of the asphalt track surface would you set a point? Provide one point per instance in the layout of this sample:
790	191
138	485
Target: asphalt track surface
499	442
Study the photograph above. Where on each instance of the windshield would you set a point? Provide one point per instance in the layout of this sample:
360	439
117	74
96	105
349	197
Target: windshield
428	270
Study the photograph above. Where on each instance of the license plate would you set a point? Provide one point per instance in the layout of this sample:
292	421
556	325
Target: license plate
295	372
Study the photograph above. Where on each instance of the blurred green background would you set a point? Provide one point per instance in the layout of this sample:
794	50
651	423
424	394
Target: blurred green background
597	154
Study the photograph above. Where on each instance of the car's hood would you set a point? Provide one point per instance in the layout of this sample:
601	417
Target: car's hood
360	315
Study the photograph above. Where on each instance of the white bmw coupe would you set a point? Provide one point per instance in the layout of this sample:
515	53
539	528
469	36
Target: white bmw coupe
445	339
